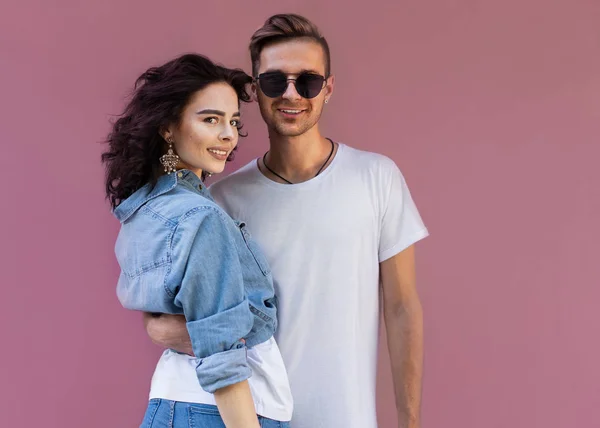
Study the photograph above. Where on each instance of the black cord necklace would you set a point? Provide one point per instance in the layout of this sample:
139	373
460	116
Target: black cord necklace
288	181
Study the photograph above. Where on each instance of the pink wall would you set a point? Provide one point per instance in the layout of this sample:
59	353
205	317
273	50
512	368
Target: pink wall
492	110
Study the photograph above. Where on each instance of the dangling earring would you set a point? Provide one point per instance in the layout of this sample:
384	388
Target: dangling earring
170	160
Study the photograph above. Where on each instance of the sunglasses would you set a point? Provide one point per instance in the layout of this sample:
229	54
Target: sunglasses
274	84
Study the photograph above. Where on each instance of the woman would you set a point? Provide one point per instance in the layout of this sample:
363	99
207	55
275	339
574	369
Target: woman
180	253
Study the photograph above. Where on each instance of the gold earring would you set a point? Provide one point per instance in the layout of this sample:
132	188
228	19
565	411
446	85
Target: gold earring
170	160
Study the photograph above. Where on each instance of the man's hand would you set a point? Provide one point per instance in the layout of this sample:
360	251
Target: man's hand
169	331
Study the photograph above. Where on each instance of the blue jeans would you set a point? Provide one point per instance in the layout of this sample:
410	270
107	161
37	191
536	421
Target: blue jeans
176	414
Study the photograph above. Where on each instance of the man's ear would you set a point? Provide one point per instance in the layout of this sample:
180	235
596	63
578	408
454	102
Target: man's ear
330	83
253	91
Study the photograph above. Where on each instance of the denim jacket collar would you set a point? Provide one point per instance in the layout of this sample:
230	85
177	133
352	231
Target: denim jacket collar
164	184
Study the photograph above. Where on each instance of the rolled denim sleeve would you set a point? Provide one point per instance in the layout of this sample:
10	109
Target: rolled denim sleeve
211	293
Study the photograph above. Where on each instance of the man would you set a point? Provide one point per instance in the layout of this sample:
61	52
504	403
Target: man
335	223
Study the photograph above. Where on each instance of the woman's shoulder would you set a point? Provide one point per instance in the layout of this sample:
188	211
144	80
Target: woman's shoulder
181	203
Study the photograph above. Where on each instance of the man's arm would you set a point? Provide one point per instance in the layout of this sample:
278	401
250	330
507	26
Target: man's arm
169	331
403	317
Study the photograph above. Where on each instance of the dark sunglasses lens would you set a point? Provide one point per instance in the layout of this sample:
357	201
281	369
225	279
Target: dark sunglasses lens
309	85
273	85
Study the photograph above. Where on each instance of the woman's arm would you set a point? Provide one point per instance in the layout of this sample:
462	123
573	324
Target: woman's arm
170	331
207	284
236	406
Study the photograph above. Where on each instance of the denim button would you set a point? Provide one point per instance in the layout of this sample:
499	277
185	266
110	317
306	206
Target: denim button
180	174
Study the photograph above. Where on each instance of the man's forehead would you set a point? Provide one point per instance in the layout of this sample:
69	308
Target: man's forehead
293	56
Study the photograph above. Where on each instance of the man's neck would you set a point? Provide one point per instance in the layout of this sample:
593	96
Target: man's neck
298	158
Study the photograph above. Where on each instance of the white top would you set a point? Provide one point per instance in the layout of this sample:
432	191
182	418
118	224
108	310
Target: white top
324	240
175	379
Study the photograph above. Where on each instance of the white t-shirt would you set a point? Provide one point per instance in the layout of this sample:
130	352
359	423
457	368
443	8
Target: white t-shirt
175	379
324	240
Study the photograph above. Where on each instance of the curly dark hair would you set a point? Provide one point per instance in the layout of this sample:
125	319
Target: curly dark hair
159	97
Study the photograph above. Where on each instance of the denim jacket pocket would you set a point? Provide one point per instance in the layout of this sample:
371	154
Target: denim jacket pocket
256	252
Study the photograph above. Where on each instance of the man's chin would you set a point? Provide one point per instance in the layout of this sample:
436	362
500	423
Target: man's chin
287	130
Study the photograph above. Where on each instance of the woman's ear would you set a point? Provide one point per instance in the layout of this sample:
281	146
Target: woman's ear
166	134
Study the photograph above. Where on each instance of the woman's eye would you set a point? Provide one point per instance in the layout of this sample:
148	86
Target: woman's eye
211	120
235	123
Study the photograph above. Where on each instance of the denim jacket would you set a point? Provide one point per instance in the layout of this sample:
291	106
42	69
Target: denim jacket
180	253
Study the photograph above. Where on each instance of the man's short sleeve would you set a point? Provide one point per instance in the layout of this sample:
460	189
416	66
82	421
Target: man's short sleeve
401	224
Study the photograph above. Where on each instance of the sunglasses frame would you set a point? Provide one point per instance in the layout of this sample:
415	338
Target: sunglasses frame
290	79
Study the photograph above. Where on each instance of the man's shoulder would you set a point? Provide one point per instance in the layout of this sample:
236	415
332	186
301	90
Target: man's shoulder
246	174
360	158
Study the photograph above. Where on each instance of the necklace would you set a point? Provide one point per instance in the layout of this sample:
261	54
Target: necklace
288	181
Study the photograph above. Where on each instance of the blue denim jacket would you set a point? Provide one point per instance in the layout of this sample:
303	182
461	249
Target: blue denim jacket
180	253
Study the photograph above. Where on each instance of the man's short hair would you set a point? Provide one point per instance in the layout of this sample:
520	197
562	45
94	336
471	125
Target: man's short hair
286	27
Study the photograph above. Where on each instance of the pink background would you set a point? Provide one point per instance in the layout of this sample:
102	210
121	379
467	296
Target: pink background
491	109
